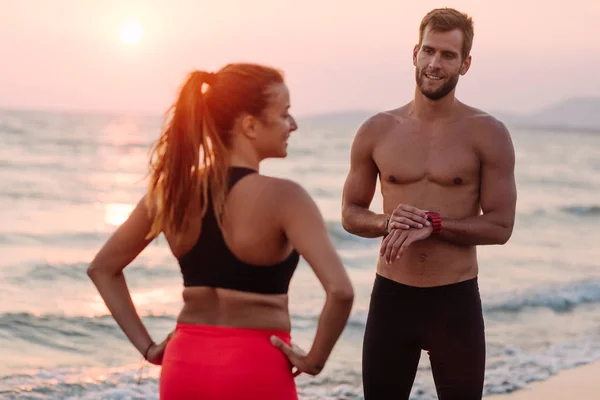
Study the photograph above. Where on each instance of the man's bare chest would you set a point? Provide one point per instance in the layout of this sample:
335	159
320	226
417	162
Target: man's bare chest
446	158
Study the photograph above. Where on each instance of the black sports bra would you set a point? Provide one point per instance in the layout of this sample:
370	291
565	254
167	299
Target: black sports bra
211	263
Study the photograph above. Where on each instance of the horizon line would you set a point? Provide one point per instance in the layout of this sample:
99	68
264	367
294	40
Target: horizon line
308	115
152	114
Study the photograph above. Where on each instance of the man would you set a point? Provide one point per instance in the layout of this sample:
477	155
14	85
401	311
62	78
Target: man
446	172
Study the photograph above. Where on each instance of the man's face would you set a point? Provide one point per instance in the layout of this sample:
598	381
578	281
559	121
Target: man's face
438	62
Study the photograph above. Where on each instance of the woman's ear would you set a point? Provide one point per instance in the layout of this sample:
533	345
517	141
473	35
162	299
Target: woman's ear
248	125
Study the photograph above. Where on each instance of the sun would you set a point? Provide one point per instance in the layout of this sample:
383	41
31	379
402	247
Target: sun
131	32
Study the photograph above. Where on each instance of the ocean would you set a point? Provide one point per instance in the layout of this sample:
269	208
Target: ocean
68	180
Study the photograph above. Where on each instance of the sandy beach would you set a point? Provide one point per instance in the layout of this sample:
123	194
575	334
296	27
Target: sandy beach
581	383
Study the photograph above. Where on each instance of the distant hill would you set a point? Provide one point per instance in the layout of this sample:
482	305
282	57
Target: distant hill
344	121
581	113
337	116
578	113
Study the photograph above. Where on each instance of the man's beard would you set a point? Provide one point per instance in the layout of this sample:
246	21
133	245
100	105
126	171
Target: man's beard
436	94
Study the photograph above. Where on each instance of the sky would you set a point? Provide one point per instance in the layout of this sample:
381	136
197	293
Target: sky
337	55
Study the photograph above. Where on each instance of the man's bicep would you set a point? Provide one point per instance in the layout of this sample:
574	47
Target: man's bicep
498	188
359	187
360	184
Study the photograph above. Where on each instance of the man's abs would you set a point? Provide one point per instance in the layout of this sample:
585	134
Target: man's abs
431	166
431	262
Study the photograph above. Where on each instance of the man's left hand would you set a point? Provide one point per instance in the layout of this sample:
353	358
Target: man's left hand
398	240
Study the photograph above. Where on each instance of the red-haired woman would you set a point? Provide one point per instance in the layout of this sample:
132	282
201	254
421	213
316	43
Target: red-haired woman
237	236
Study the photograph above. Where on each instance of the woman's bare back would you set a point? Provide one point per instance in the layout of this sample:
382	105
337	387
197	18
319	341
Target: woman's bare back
253	233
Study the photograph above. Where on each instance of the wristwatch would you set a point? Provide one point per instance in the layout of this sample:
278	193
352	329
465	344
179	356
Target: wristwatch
436	221
387	224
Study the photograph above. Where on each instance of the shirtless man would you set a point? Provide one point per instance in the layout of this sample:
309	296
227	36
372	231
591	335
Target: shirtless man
446	172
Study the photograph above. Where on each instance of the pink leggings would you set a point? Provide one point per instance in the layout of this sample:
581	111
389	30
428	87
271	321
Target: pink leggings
222	363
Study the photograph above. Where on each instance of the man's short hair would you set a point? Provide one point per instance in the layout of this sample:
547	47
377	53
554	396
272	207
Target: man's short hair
449	19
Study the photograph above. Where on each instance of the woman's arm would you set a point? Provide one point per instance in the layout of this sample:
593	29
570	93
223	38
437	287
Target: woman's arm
304	227
106	272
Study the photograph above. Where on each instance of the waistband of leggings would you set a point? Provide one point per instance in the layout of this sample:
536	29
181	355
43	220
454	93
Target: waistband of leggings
383	285
229	331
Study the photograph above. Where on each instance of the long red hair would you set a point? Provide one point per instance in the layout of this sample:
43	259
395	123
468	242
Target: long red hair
189	162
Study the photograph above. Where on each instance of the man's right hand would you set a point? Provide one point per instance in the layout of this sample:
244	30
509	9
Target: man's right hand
405	217
398	241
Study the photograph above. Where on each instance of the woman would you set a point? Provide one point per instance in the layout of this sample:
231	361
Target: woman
237	236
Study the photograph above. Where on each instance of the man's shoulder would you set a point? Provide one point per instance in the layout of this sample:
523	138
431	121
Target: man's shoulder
378	121
381	122
484	126
489	133
484	123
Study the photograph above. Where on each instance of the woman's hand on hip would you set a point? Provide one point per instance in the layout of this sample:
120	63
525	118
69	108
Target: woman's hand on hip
297	358
156	351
